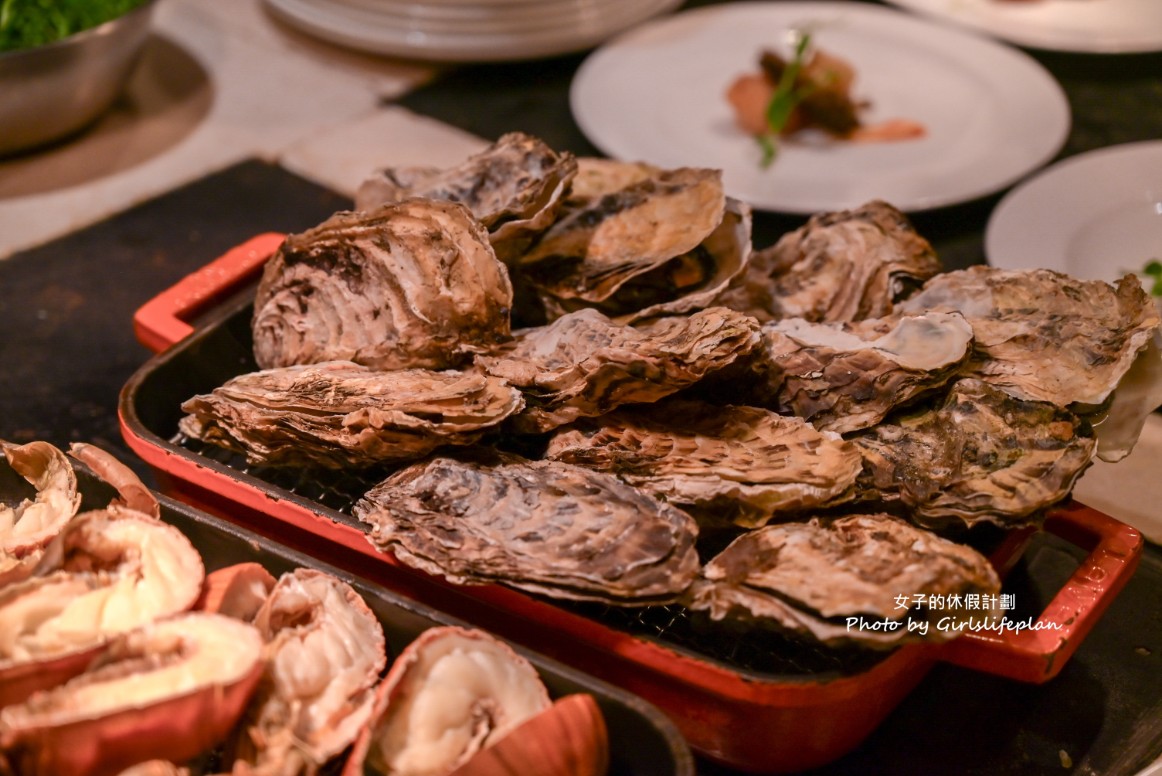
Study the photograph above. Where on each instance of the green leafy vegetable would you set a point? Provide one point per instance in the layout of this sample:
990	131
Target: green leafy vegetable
1153	269
785	99
29	23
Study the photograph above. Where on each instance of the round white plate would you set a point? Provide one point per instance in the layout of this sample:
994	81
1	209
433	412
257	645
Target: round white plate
365	30
488	19
1095	26
992	113
1096	216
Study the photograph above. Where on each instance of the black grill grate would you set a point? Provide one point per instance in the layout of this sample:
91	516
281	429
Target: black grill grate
754	650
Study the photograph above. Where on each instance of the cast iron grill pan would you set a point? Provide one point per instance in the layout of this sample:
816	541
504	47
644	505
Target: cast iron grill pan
221	348
674	626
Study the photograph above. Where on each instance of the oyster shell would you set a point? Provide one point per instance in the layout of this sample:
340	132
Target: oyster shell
172	688
1043	335
325	651
841	266
450	694
846	376
583	364
719	463
981	456
413	284
27	528
597	177
338	414
515	188
667	243
816	577
542	526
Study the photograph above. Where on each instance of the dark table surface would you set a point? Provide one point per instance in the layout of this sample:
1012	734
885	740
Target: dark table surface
67	347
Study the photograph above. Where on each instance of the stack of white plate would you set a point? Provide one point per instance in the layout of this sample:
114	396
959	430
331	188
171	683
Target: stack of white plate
467	30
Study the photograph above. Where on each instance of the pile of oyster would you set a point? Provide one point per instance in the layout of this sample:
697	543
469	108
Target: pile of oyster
119	654
563	372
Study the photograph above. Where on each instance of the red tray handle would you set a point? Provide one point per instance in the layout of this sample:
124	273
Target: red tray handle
1037	655
163	320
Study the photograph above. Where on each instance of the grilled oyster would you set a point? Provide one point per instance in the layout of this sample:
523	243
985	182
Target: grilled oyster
584	365
982	456
665	243
413	284
862	578
339	414
515	188
842	266
720	463
1043	335
542	526
846	376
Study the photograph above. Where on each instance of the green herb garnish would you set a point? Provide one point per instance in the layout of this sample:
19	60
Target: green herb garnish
29	23
1153	269
785	99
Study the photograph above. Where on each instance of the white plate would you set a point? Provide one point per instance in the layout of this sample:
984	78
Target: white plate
1095	26
363	29
992	113
1095	216
487	19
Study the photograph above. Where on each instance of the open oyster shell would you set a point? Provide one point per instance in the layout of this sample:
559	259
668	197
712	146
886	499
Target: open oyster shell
664	243
325	651
1045	336
846	376
583	364
173	688
515	188
981	456
26	528
339	414
740	464
841	266
543	526
812	577
412	284
450	694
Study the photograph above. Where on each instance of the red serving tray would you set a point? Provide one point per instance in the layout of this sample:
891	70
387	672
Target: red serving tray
747	721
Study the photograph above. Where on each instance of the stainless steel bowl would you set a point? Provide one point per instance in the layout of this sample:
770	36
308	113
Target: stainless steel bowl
51	91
